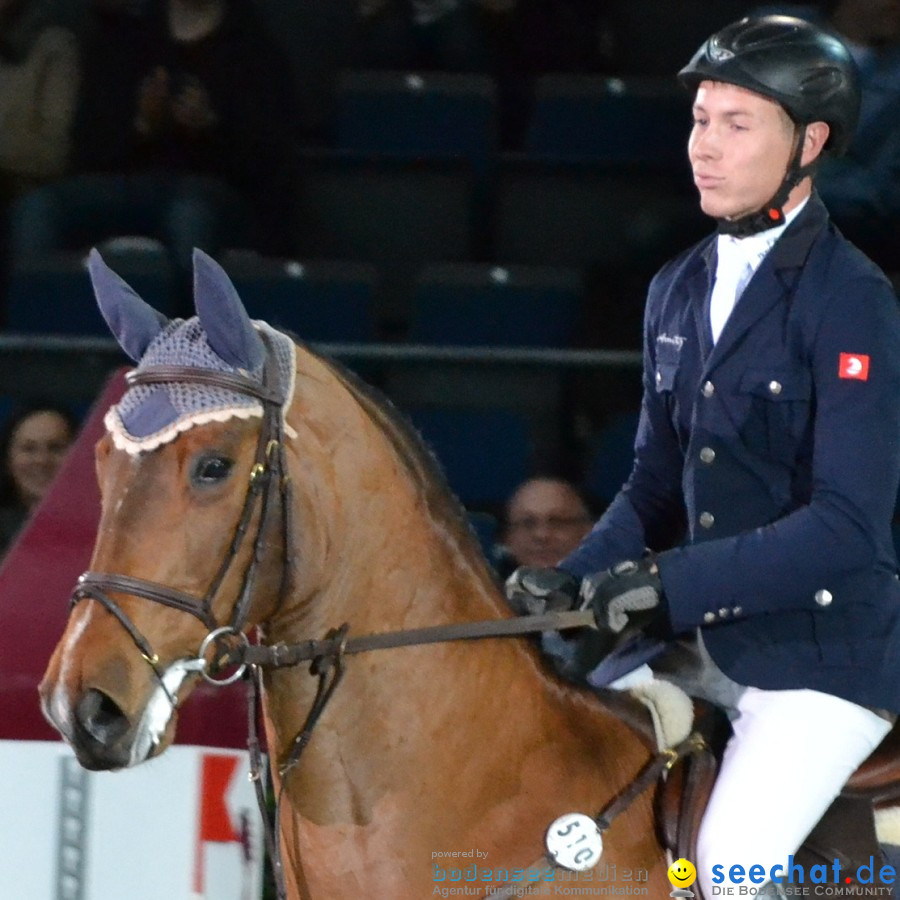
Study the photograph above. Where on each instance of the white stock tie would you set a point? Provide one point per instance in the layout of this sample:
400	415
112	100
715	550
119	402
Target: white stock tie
733	271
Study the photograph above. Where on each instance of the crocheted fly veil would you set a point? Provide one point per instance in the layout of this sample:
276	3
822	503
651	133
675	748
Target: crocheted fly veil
221	337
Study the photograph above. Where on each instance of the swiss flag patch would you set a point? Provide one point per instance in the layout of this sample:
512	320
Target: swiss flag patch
854	365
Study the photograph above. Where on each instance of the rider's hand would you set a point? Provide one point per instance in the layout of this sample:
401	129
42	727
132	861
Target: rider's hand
532	591
628	594
573	653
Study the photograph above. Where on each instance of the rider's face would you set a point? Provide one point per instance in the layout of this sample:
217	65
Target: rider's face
739	148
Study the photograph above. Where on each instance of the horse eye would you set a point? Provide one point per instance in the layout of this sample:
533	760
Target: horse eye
210	470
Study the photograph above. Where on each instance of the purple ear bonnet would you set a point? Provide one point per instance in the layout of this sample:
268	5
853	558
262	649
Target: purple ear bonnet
221	337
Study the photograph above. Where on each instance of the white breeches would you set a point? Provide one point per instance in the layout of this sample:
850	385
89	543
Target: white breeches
790	755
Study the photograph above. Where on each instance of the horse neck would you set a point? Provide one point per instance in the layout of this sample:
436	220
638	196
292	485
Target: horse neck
382	550
381	546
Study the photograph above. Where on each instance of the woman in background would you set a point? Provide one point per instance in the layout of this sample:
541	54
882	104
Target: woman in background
33	444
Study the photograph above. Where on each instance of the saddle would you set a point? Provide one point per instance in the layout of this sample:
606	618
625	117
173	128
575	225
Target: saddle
847	830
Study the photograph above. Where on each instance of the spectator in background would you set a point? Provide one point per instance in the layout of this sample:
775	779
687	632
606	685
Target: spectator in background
33	444
545	520
38	86
447	35
182	134
862	189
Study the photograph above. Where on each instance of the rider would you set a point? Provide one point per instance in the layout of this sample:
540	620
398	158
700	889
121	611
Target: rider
755	525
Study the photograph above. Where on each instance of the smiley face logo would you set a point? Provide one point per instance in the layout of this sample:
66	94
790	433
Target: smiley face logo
682	873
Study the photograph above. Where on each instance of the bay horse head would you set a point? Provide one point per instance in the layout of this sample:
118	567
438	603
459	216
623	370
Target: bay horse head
193	376
251	485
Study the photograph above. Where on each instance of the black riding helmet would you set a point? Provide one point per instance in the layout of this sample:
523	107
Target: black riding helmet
805	69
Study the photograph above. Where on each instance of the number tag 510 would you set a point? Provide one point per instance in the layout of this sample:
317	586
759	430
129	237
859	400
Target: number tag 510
574	842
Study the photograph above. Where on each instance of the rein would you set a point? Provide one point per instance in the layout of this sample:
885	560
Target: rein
279	656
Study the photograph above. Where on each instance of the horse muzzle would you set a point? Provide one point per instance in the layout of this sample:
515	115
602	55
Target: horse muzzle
92	724
103	735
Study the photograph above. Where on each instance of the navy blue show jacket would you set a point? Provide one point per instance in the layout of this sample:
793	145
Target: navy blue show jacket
767	465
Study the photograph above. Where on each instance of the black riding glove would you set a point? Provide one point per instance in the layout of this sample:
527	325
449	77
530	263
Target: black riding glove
630	594
532	591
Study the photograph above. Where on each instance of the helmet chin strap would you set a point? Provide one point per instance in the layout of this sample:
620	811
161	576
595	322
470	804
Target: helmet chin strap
771	215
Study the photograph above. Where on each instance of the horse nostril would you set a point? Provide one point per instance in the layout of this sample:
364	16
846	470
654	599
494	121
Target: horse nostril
100	716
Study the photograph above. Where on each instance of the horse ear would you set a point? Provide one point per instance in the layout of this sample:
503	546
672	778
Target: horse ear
228	328
133	322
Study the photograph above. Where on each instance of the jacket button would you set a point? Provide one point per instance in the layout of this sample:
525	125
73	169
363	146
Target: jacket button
707	455
775	387
707	520
708	389
709	618
823	597
724	612
737	610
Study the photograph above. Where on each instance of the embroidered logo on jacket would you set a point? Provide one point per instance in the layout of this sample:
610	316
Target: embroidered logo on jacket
854	365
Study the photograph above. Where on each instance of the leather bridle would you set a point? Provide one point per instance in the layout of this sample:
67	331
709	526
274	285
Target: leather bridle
268	478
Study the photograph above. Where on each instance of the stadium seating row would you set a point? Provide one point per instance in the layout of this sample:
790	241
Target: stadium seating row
399	217
319	301
576	118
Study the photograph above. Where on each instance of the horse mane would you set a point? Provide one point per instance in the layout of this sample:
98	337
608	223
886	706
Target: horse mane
417	457
444	506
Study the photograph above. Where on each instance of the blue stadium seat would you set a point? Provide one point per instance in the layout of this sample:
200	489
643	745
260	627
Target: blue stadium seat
485	453
485	527
317	301
435	115
636	122
611	456
53	294
484	305
7	405
397	215
382	211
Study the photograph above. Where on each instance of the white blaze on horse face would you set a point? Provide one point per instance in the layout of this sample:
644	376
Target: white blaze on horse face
58	711
159	710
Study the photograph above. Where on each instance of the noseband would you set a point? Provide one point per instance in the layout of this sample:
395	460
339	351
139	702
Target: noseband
268	478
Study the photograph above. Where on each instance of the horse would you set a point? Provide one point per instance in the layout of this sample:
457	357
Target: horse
265	490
